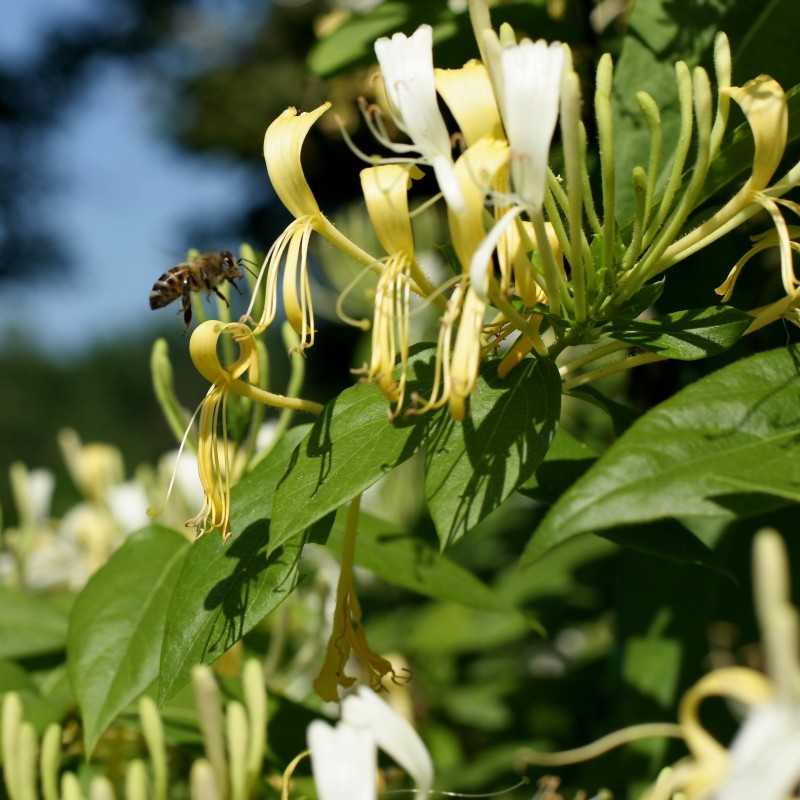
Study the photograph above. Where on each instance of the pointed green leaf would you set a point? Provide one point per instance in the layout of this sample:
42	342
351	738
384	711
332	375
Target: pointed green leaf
685	335
116	626
689	455
566	460
352	444
474	465
224	590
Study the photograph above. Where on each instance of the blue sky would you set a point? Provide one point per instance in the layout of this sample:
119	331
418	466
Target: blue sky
122	198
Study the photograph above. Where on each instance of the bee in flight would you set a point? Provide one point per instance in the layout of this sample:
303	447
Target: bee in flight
203	274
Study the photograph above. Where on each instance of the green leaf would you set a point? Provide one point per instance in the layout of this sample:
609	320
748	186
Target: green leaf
685	335
226	589
566	460
667	538
622	417
352	44
222	592
641	300
350	446
117	624
30	625
404	560
251	498
739	424
474	465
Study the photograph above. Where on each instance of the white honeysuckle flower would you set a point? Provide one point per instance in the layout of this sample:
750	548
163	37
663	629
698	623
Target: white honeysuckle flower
40	485
406	64
344	758
128	504
392	733
764	760
527	79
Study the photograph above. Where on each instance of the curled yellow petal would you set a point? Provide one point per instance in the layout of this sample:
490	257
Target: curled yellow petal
203	351
469	96
763	102
385	190
476	171
737	683
283	142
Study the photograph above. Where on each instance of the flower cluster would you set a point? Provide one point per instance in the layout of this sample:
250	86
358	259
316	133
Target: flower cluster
540	263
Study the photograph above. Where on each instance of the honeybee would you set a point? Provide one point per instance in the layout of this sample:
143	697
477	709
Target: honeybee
203	274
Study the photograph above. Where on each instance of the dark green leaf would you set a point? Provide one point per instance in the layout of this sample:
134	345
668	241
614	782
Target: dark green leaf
685	335
223	591
621	416
641	301
30	625
740	424
252	497
667	539
474	465
566	460
350	446
402	559
117	625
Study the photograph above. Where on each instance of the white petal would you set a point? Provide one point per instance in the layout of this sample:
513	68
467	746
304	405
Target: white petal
393	734
344	761
531	88
765	755
479	267
407	67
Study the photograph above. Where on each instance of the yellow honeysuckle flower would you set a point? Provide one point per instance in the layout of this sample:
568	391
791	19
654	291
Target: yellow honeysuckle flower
466	354
763	102
283	143
469	96
385	190
348	634
478	171
214	459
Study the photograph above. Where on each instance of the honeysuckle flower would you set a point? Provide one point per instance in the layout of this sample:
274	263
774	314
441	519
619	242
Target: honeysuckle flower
527	80
344	758
283	142
468	94
764	105
385	190
406	64
214	460
347	632
762	759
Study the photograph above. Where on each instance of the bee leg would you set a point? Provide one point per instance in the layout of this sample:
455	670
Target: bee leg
219	294
234	284
186	306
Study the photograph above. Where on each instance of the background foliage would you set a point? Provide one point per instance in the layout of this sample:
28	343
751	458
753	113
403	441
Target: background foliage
512	641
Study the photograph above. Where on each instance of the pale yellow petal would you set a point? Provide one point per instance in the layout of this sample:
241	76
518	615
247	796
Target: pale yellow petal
469	96
466	354
283	142
763	102
476	171
385	190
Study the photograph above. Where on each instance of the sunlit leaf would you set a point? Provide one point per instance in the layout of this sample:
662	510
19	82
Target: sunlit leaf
471	467
694	455
685	335
117	624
